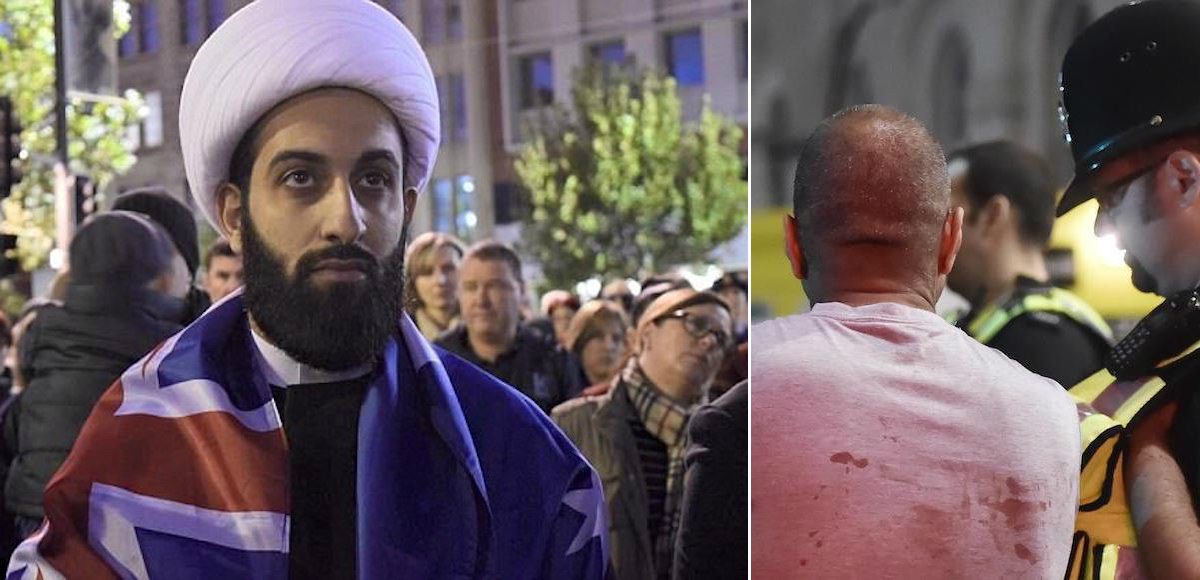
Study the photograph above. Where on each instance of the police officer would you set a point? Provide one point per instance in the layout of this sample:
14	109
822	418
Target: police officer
1007	193
1131	112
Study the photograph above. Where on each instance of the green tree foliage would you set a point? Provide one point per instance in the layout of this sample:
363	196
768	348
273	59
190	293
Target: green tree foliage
620	186
96	130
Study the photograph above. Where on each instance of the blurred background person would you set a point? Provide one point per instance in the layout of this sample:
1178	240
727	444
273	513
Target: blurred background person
618	291
123	298
635	435
597	336
654	286
177	220
1007	193
222	270
492	336
6	347
734	288
713	528
431	262
559	307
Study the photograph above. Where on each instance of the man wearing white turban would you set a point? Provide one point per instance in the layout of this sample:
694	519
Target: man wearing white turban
303	428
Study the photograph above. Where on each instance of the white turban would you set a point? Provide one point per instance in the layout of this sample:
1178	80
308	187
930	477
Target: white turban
272	50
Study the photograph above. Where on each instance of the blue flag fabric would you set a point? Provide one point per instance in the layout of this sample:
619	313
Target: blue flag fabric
180	472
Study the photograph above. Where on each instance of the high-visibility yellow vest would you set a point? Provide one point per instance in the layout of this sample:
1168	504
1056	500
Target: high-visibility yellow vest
988	323
1105	544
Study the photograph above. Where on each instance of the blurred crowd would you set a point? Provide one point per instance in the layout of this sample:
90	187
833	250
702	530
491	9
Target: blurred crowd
654	348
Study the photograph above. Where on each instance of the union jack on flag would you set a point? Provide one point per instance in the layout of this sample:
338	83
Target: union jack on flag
181	472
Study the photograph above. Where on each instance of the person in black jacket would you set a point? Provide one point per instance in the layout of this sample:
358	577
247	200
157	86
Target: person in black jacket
1007	194
178	221
123	299
712	528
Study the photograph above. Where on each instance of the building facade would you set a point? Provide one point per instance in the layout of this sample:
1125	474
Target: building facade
493	61
971	70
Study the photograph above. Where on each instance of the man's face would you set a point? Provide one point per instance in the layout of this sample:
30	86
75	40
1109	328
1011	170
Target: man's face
1127	208
561	319
323	228
969	276
224	275
490	298
676	349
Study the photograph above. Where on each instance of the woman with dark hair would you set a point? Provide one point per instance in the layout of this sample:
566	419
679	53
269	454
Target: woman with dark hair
431	287
121	300
597	337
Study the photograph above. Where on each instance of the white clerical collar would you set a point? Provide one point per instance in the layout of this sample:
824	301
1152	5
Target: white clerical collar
282	370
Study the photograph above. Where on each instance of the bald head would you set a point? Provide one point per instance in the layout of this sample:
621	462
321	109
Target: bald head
871	187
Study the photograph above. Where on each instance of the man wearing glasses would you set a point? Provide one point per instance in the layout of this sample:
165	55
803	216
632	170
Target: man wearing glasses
635	435
1131	114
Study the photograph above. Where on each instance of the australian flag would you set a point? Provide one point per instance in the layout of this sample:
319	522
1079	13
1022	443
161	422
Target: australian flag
181	472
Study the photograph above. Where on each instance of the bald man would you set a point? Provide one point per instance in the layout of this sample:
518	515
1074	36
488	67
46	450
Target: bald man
886	441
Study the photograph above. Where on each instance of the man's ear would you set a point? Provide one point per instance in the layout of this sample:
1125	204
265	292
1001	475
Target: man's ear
229	214
951	240
1184	171
996	212
643	340
795	252
410	205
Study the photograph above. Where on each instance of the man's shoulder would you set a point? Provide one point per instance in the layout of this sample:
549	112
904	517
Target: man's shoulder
453	339
496	412
724	420
577	409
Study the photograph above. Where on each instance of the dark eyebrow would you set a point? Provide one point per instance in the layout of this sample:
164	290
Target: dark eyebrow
292	154
379	155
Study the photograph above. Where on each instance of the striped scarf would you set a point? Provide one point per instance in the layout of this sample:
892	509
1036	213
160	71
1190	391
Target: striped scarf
667	421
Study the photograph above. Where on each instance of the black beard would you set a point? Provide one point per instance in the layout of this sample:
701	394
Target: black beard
1141	278
343	326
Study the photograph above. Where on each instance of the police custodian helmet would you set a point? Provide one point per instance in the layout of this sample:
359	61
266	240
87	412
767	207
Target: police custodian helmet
1129	80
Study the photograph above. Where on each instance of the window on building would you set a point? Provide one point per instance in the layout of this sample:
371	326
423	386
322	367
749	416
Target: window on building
443	91
433	21
685	57
394	6
152	125
744	51
454	20
147	23
191	25
217	11
128	44
458	108
609	53
537	80
465	218
443	205
952	72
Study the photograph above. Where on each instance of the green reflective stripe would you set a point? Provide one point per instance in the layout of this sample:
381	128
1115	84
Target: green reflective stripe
992	320
1080	311
989	322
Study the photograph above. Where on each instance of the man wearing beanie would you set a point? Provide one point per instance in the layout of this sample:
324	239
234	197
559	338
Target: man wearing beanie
636	433
175	217
303	427
118	305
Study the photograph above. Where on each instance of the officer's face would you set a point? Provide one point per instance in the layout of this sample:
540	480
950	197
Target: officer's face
1134	205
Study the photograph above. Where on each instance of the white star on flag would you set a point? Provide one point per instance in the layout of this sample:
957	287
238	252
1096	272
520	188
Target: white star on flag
589	502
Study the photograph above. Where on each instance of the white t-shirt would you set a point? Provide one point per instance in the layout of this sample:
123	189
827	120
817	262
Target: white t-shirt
886	443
